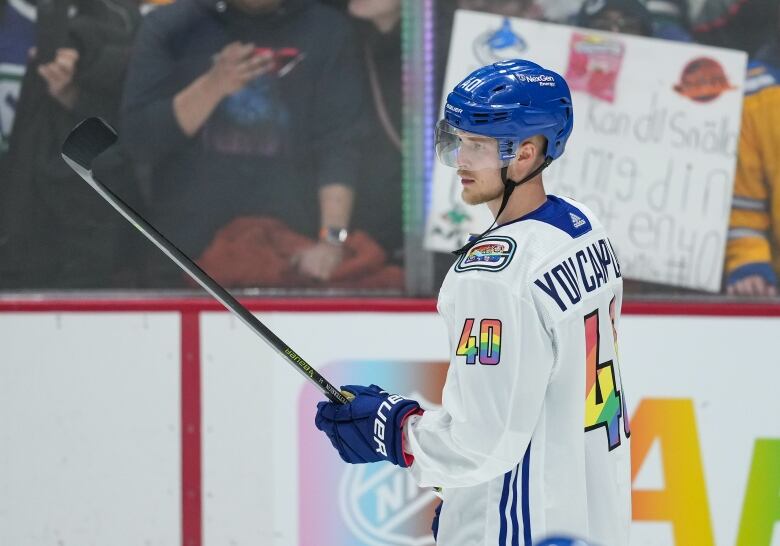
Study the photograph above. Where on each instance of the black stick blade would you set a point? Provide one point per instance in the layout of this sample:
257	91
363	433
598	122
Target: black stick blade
87	140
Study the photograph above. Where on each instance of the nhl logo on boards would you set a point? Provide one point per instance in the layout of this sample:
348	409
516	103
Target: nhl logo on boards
489	254
382	505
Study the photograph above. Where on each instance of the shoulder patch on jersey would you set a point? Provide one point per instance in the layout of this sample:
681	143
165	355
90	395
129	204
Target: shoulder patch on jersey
489	254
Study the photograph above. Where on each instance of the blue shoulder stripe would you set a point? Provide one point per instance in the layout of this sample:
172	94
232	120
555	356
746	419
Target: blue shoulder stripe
561	214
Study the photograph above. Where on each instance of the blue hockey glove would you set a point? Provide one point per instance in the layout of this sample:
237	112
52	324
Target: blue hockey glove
370	428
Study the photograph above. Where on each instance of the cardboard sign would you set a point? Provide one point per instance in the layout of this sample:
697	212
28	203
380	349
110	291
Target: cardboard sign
653	151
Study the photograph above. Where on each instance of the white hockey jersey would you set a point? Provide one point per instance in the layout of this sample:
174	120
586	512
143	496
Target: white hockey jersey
532	436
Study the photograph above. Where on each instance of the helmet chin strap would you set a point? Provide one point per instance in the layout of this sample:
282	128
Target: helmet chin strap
509	187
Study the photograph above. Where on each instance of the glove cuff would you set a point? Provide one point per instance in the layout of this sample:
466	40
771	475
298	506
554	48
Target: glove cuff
399	413
408	458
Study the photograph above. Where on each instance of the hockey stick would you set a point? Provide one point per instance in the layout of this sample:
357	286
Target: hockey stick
92	137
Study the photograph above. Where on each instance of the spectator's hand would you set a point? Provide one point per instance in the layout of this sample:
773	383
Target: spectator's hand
319	261
58	75
237	65
754	285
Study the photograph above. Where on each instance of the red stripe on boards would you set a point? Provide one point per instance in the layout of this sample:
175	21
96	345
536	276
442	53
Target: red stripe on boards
191	507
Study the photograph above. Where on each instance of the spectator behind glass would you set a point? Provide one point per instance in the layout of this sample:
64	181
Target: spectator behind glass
671	19
57	233
743	24
378	207
624	16
17	34
247	107
753	249
509	8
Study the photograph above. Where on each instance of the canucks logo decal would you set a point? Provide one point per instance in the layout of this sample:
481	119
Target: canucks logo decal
703	80
489	254
501	44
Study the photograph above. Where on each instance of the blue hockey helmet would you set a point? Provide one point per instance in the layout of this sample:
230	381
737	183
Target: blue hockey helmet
507	103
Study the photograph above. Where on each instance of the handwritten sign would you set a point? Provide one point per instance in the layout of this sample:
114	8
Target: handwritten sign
653	152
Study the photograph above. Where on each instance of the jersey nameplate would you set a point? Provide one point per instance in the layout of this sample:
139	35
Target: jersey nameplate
585	270
489	254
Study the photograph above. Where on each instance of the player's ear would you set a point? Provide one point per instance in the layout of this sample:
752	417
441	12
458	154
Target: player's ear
532	149
528	150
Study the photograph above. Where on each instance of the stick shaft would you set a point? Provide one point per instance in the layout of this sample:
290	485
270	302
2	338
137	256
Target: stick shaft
209	284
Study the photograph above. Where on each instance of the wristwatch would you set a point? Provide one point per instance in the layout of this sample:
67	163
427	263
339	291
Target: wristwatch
334	235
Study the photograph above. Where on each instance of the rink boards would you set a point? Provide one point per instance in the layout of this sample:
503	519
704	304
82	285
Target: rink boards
169	422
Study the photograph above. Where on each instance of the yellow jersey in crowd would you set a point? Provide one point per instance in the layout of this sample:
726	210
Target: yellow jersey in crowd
754	232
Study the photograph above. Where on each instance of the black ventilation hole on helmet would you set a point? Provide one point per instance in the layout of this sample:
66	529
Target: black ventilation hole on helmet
489	117
498	88
480	118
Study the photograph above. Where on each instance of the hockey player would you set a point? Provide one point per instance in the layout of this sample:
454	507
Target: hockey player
532	436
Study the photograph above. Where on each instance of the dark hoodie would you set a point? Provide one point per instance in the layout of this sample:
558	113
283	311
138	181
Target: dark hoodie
266	149
55	232
378	204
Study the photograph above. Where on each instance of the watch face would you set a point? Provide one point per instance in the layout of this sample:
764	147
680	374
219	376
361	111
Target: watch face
334	235
341	235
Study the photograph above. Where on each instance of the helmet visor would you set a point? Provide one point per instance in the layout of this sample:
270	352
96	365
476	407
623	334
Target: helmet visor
464	150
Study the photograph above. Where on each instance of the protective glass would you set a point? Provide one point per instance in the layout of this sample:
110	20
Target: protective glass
461	149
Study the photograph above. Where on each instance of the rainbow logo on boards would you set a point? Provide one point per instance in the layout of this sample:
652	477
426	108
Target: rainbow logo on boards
372	504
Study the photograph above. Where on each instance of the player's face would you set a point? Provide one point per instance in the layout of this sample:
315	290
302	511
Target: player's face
479	184
477	159
483	185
